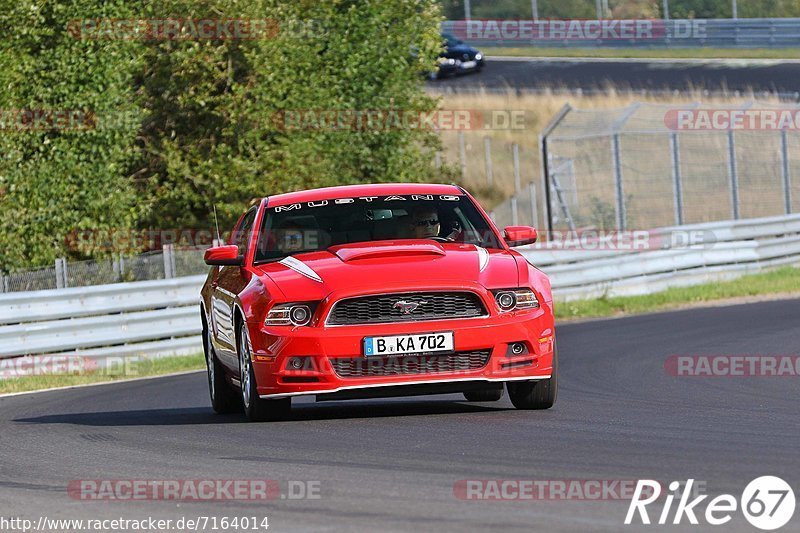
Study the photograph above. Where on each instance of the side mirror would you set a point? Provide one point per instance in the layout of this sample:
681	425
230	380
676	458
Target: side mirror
227	255
519	235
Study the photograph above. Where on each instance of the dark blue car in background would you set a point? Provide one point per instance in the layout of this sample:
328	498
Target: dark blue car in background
458	58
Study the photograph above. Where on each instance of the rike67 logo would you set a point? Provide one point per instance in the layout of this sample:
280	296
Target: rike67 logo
767	502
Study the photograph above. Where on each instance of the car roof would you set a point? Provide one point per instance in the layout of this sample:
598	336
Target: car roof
353	191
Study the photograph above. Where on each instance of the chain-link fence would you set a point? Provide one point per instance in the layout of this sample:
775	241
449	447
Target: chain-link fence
496	166
650	166
164	264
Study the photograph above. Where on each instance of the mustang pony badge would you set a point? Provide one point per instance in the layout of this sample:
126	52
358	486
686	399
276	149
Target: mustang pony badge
407	308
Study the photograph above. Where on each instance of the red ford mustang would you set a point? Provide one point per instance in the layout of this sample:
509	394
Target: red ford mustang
369	291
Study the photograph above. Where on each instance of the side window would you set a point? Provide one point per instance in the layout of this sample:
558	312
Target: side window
241	235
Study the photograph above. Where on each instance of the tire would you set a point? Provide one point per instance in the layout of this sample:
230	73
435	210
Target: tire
256	409
223	397
484	395
539	394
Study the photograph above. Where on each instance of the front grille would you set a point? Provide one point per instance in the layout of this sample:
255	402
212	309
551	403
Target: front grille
388	307
355	367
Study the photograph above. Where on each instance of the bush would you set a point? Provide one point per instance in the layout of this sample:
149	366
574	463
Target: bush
54	180
185	124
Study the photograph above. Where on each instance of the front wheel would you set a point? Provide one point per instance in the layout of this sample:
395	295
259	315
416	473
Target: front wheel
256	409
223	396
539	394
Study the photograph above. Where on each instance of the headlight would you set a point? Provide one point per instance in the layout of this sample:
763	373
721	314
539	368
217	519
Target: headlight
478	56
513	299
296	314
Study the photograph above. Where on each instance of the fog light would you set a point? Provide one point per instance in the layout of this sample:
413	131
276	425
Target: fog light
296	363
517	348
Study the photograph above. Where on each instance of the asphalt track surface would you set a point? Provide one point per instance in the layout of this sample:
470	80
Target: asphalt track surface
639	75
392	464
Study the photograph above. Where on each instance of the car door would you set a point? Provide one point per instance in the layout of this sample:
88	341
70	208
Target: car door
228	283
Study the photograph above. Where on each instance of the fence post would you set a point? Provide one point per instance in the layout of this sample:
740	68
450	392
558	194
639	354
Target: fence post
462	154
61	273
437	159
787	179
677	189
517	177
4	286
487	154
514	211
546	220
619	191
534	211
169	264
734	175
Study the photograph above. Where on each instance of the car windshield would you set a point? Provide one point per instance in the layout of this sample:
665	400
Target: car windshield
451	41
311	226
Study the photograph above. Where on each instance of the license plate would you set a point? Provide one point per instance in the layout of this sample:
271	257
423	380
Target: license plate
469	64
408	344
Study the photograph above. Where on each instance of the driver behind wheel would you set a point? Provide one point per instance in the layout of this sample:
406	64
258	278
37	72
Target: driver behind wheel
289	239
425	224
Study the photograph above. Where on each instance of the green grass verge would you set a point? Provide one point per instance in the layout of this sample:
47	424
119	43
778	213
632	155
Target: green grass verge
783	280
135	369
667	53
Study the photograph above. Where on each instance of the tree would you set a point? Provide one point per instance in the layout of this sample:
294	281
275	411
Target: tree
176	125
217	132
68	131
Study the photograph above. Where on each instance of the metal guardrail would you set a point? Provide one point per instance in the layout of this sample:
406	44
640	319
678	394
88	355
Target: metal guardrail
38	306
675	33
138	318
162	317
729	249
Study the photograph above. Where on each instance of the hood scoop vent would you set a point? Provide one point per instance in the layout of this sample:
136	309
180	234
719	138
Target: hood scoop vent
387	249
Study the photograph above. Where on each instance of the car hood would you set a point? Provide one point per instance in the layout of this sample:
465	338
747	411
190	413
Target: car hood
460	50
388	266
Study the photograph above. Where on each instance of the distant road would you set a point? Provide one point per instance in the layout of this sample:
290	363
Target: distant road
635	74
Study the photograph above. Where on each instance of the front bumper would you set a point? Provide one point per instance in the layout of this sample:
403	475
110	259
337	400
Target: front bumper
274	346
470	65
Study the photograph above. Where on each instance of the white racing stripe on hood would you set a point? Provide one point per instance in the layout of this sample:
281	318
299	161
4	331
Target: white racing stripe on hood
300	267
483	257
